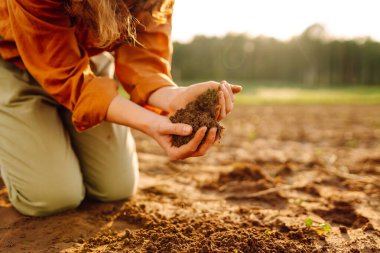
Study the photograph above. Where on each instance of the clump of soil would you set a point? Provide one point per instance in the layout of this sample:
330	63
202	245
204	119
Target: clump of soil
343	213
199	113
242	172
250	175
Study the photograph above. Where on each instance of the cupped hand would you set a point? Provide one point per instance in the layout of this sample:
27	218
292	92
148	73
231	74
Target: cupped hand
163	129
226	96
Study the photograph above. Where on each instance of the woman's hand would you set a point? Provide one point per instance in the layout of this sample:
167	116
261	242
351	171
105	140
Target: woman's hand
125	112
163	129
171	99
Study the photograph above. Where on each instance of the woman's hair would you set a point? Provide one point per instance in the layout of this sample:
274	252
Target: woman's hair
112	20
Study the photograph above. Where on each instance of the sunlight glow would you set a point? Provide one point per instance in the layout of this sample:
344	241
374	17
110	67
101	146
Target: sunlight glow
281	19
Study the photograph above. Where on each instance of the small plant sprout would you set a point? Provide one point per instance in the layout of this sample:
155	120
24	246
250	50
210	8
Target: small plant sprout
308	222
326	227
320	228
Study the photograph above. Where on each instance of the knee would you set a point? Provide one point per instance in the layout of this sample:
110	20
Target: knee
113	188
118	192
48	200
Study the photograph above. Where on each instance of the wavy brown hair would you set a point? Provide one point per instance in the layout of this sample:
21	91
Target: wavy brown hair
113	20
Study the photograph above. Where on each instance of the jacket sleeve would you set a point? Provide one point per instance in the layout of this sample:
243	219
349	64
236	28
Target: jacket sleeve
49	49
145	67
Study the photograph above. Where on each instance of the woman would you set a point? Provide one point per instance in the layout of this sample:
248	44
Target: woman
63	128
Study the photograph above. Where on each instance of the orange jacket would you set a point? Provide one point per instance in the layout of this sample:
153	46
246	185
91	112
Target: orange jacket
37	35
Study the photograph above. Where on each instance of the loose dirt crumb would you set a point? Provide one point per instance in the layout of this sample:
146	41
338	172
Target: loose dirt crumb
343	229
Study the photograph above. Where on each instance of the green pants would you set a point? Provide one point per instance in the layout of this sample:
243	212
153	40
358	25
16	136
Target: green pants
45	164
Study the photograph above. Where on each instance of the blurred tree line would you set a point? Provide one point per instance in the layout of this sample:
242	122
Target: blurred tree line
311	58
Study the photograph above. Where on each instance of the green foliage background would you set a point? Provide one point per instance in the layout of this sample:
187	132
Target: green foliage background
311	59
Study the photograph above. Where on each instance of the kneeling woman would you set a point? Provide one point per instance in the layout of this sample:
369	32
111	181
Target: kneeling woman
64	129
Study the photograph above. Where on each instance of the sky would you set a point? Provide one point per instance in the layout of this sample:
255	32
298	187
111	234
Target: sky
281	19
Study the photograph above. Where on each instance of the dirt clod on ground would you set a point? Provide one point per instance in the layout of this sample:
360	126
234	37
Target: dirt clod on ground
199	113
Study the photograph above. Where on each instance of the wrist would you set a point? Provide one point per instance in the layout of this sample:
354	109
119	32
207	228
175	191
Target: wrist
163	97
125	112
150	123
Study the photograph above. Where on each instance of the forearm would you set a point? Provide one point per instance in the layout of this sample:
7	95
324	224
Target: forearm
124	112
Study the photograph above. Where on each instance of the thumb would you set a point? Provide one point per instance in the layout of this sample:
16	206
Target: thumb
177	129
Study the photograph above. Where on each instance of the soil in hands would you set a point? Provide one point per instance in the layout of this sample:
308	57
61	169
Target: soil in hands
199	113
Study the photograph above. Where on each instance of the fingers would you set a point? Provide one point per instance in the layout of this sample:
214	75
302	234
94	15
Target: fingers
193	148
228	86
177	129
209	141
227	102
190	148
222	103
192	145
228	96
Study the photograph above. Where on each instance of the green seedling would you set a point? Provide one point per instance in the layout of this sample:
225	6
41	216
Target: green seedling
320	228
326	227
308	222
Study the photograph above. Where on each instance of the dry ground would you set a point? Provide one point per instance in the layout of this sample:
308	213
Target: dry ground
276	166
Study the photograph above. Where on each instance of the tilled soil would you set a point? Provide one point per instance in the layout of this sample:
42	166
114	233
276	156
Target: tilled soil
276	166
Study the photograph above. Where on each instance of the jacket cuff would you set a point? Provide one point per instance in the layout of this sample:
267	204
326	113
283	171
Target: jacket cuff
92	105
